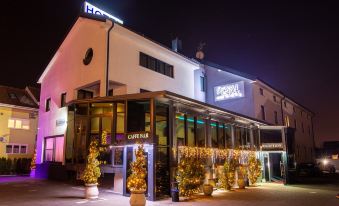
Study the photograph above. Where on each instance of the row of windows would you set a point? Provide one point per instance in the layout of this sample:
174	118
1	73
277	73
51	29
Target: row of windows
261	91
155	65
16	123
62	102
16	149
263	115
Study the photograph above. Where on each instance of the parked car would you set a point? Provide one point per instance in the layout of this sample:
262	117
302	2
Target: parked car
308	169
325	166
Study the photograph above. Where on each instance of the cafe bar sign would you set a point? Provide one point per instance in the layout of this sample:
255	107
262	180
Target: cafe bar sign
136	137
272	146
229	91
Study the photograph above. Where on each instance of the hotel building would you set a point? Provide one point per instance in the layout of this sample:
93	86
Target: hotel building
106	80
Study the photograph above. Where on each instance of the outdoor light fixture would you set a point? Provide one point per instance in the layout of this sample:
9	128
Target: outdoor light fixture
325	161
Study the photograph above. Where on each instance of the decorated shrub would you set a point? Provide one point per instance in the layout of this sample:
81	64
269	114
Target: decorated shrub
254	168
92	169
190	176
136	181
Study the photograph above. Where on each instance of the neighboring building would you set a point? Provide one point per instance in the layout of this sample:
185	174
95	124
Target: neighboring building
261	101
18	121
109	83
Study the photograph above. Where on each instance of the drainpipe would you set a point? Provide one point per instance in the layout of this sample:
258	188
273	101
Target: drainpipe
107	58
314	152
282	111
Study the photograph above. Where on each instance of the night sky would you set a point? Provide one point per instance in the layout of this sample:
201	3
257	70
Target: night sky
294	47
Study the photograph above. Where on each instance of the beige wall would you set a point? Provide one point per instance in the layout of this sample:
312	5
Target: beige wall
17	136
124	65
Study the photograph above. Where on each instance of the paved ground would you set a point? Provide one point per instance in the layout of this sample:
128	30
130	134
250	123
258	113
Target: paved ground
27	191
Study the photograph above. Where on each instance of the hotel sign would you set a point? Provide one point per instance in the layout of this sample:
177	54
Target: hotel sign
229	91
91	9
138	137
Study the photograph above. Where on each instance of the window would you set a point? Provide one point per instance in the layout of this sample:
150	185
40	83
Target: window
294	109
180	129
274	98
203	83
16	149
155	65
275	117
302	127
214	133
263	112
201	129
48	104
83	94
295	124
309	130
285	104
63	100
138	116
54	149
287	121
12	96
16	123
301	113
261	92
144	90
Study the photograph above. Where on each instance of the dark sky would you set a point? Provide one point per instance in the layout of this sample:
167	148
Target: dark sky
294	47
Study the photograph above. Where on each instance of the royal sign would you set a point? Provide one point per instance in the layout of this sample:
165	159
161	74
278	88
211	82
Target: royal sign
91	9
229	91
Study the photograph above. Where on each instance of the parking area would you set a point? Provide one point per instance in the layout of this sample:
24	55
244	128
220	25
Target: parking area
27	191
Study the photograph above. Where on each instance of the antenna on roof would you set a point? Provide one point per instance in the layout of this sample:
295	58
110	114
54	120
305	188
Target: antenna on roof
200	54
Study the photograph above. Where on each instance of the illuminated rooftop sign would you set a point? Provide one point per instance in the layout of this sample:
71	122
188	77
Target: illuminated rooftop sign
229	91
91	9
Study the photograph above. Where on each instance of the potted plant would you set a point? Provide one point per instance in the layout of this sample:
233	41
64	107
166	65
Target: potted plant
241	176
254	168
207	189
33	165
136	181
92	172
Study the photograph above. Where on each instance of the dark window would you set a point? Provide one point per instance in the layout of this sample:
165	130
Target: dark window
110	92
83	94
261	91
63	100
12	96
23	149
48	104
214	133
301	113
138	116
295	124
263	112
293	109
285	104
302	127
155	65
88	56
200	133
274	98
9	149
276	117
203	83
16	149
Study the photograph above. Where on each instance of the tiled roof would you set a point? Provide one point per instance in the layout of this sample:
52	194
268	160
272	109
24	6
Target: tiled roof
16	97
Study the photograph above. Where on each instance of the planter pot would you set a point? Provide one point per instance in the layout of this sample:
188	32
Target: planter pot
32	174
241	183
208	189
91	191
137	198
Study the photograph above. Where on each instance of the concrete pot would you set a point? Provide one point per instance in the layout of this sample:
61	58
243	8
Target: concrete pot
32	173
207	189
137	198
241	183
91	191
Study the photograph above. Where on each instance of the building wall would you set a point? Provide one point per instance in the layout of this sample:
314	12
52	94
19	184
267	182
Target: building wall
267	100
18	136
124	68
303	137
243	105
66	73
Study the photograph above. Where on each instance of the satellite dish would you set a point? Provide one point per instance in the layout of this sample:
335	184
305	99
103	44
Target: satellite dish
2	139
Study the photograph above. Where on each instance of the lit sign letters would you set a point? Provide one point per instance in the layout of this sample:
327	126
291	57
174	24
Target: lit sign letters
136	136
229	91
91	9
271	146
